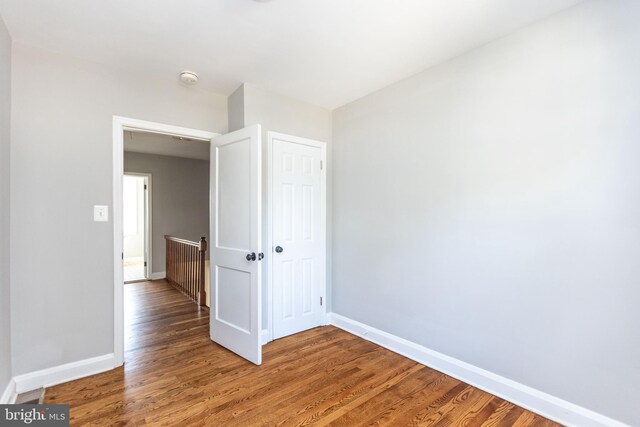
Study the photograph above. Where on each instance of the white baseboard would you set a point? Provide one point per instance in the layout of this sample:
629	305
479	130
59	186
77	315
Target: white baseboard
548	406
264	336
9	395
63	373
157	276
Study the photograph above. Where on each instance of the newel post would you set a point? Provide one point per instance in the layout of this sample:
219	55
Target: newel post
202	297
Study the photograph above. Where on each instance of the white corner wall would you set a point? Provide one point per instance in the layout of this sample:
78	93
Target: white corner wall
5	135
235	108
279	113
488	209
61	165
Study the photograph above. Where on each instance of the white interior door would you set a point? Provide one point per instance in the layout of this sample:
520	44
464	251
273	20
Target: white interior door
147	227
298	252
235	230
135	222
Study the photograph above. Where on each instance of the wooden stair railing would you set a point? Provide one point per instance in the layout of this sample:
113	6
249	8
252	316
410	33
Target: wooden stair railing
185	264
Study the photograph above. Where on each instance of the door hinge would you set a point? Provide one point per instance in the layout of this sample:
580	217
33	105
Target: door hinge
145	263
320	164
320	300
145	186
122	255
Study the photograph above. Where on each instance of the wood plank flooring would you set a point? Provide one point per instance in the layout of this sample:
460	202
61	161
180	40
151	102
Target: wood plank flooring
175	376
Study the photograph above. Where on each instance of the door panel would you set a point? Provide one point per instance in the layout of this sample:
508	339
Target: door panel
298	270
233	285
235	229
233	198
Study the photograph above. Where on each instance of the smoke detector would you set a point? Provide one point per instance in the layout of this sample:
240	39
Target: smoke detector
189	78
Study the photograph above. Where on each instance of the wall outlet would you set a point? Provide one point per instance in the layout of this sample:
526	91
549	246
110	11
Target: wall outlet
101	213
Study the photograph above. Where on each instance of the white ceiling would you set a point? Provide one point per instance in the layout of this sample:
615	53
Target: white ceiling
327	52
165	145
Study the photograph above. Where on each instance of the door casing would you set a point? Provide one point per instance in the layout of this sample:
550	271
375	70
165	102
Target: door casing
269	249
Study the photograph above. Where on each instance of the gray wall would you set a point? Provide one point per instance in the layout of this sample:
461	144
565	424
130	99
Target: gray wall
489	208
180	198
61	165
235	107
279	113
251	105
5	126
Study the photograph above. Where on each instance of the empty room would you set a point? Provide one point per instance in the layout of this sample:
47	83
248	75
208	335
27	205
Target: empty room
320	212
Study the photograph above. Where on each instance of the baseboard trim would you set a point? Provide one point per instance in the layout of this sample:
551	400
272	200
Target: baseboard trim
63	373
264	337
157	276
548	406
9	396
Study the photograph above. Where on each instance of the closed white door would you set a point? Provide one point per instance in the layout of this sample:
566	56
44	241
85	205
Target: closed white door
236	292
298	237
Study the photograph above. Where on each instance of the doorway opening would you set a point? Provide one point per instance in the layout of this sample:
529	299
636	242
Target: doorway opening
136	226
169	149
173	252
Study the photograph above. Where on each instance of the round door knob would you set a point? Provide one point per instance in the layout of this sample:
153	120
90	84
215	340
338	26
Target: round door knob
251	256
279	249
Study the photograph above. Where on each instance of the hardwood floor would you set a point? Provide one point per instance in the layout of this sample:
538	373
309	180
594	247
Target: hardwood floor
174	375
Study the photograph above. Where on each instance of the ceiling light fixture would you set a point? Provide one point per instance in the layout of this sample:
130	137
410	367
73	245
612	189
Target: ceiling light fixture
189	78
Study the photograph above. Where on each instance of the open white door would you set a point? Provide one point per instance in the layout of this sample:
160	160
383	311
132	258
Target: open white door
147	227
236	310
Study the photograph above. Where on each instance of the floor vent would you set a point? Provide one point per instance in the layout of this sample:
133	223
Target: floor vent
33	397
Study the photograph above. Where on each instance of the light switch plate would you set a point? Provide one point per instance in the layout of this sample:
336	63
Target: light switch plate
101	213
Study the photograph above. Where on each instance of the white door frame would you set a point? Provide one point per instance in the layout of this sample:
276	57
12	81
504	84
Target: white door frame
121	124
148	229
271	136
